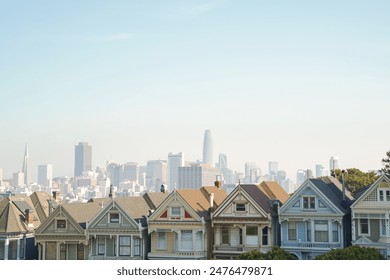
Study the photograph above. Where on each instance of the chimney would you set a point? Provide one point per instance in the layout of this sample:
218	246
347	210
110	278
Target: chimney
211	201
343	182
111	194
29	217
56	195
218	183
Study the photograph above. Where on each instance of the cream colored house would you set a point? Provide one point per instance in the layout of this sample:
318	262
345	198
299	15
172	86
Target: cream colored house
180	228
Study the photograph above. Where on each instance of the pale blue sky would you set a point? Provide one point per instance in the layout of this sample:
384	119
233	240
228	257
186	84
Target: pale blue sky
289	81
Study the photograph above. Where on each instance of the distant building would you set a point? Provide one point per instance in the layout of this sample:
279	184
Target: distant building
45	175
273	168
156	174
197	175
208	148
319	170
333	163
301	176
222	161
18	179
26	167
174	162
83	159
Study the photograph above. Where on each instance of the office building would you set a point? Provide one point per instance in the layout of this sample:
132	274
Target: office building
45	175
174	162
82	159
208	148
333	163
196	176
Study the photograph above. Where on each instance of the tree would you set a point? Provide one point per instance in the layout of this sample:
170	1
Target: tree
352	253
356	179
386	163
275	253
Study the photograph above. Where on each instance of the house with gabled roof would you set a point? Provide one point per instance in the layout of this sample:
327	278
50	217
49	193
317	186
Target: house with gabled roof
18	220
119	230
180	228
371	216
316	218
63	236
247	220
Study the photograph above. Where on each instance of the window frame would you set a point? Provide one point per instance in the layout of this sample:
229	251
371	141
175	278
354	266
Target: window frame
291	230
225	233
61	228
310	204
361	233
123	240
114	220
161	240
240	207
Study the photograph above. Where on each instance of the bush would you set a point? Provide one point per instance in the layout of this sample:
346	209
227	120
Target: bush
352	253
275	253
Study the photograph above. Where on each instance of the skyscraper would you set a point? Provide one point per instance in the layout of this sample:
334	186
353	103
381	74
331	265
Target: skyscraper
333	163
174	162
26	167
222	161
82	158
208	148
45	175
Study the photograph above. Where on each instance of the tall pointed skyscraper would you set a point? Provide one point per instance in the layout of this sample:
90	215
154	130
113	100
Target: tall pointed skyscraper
208	148
26	167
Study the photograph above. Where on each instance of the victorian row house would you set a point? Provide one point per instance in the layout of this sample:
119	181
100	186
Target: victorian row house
370	216
316	218
205	223
247	220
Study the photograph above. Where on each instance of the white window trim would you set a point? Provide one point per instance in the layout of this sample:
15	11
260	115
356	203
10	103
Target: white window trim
296	231
61	229
171	214
240	211
369	227
119	218
379	190
165	242
315	203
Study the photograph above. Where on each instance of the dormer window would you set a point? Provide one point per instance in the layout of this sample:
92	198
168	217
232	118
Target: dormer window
114	218
309	203
240	207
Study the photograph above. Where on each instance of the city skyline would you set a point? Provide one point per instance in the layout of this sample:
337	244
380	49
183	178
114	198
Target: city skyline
294	83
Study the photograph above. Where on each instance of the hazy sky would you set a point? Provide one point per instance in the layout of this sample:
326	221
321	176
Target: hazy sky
289	81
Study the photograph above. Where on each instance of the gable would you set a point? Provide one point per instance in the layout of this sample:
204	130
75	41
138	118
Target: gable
309	200
173	209
112	216
60	222
239	204
377	195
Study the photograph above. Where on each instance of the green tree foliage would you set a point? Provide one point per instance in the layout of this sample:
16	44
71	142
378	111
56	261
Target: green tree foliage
275	253
352	253
356	179
386	163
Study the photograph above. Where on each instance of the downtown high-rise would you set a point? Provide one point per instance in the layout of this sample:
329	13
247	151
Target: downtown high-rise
208	148
82	159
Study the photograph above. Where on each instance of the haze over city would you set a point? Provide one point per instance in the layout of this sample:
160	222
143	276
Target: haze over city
288	82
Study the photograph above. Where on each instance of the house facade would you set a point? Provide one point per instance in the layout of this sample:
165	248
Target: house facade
118	231
247	220
180	228
371	216
316	218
